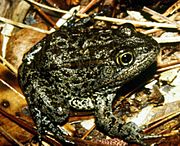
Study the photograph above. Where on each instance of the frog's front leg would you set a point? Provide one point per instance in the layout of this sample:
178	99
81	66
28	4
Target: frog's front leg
112	125
43	124
47	107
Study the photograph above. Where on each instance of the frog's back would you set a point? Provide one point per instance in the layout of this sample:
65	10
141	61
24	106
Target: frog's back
68	58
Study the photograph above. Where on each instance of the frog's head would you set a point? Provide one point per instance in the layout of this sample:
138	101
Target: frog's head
133	52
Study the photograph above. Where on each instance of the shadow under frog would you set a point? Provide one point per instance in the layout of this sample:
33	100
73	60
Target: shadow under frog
82	67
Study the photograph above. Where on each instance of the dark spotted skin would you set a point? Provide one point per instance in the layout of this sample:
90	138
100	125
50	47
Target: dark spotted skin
81	67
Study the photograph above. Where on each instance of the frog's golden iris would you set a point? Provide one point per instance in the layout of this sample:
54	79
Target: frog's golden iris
125	58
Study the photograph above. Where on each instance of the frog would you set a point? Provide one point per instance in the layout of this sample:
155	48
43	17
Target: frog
81	67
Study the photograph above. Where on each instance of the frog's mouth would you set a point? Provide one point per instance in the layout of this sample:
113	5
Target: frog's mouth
138	80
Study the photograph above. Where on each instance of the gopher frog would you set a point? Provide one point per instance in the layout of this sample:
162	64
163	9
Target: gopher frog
81	67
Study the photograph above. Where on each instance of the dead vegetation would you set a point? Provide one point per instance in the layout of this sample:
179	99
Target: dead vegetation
154	104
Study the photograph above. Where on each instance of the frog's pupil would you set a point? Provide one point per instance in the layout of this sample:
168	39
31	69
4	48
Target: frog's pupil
126	58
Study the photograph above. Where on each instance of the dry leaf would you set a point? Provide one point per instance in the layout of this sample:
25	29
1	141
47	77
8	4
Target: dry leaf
21	42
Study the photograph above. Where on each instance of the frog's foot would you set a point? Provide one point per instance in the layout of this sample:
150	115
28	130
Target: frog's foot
47	123
115	126
131	132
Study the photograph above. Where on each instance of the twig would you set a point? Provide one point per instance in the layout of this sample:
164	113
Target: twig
47	7
9	137
14	90
5	20
6	32
172	9
169	130
168	64
65	17
161	121
137	23
18	121
88	132
84	117
156	14
115	20
45	16
172	133
85	9
27	127
8	65
168	68
152	31
167	39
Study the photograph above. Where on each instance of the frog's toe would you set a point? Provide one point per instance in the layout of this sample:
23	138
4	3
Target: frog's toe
130	132
48	126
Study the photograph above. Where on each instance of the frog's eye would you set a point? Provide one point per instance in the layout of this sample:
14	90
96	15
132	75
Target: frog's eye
125	58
